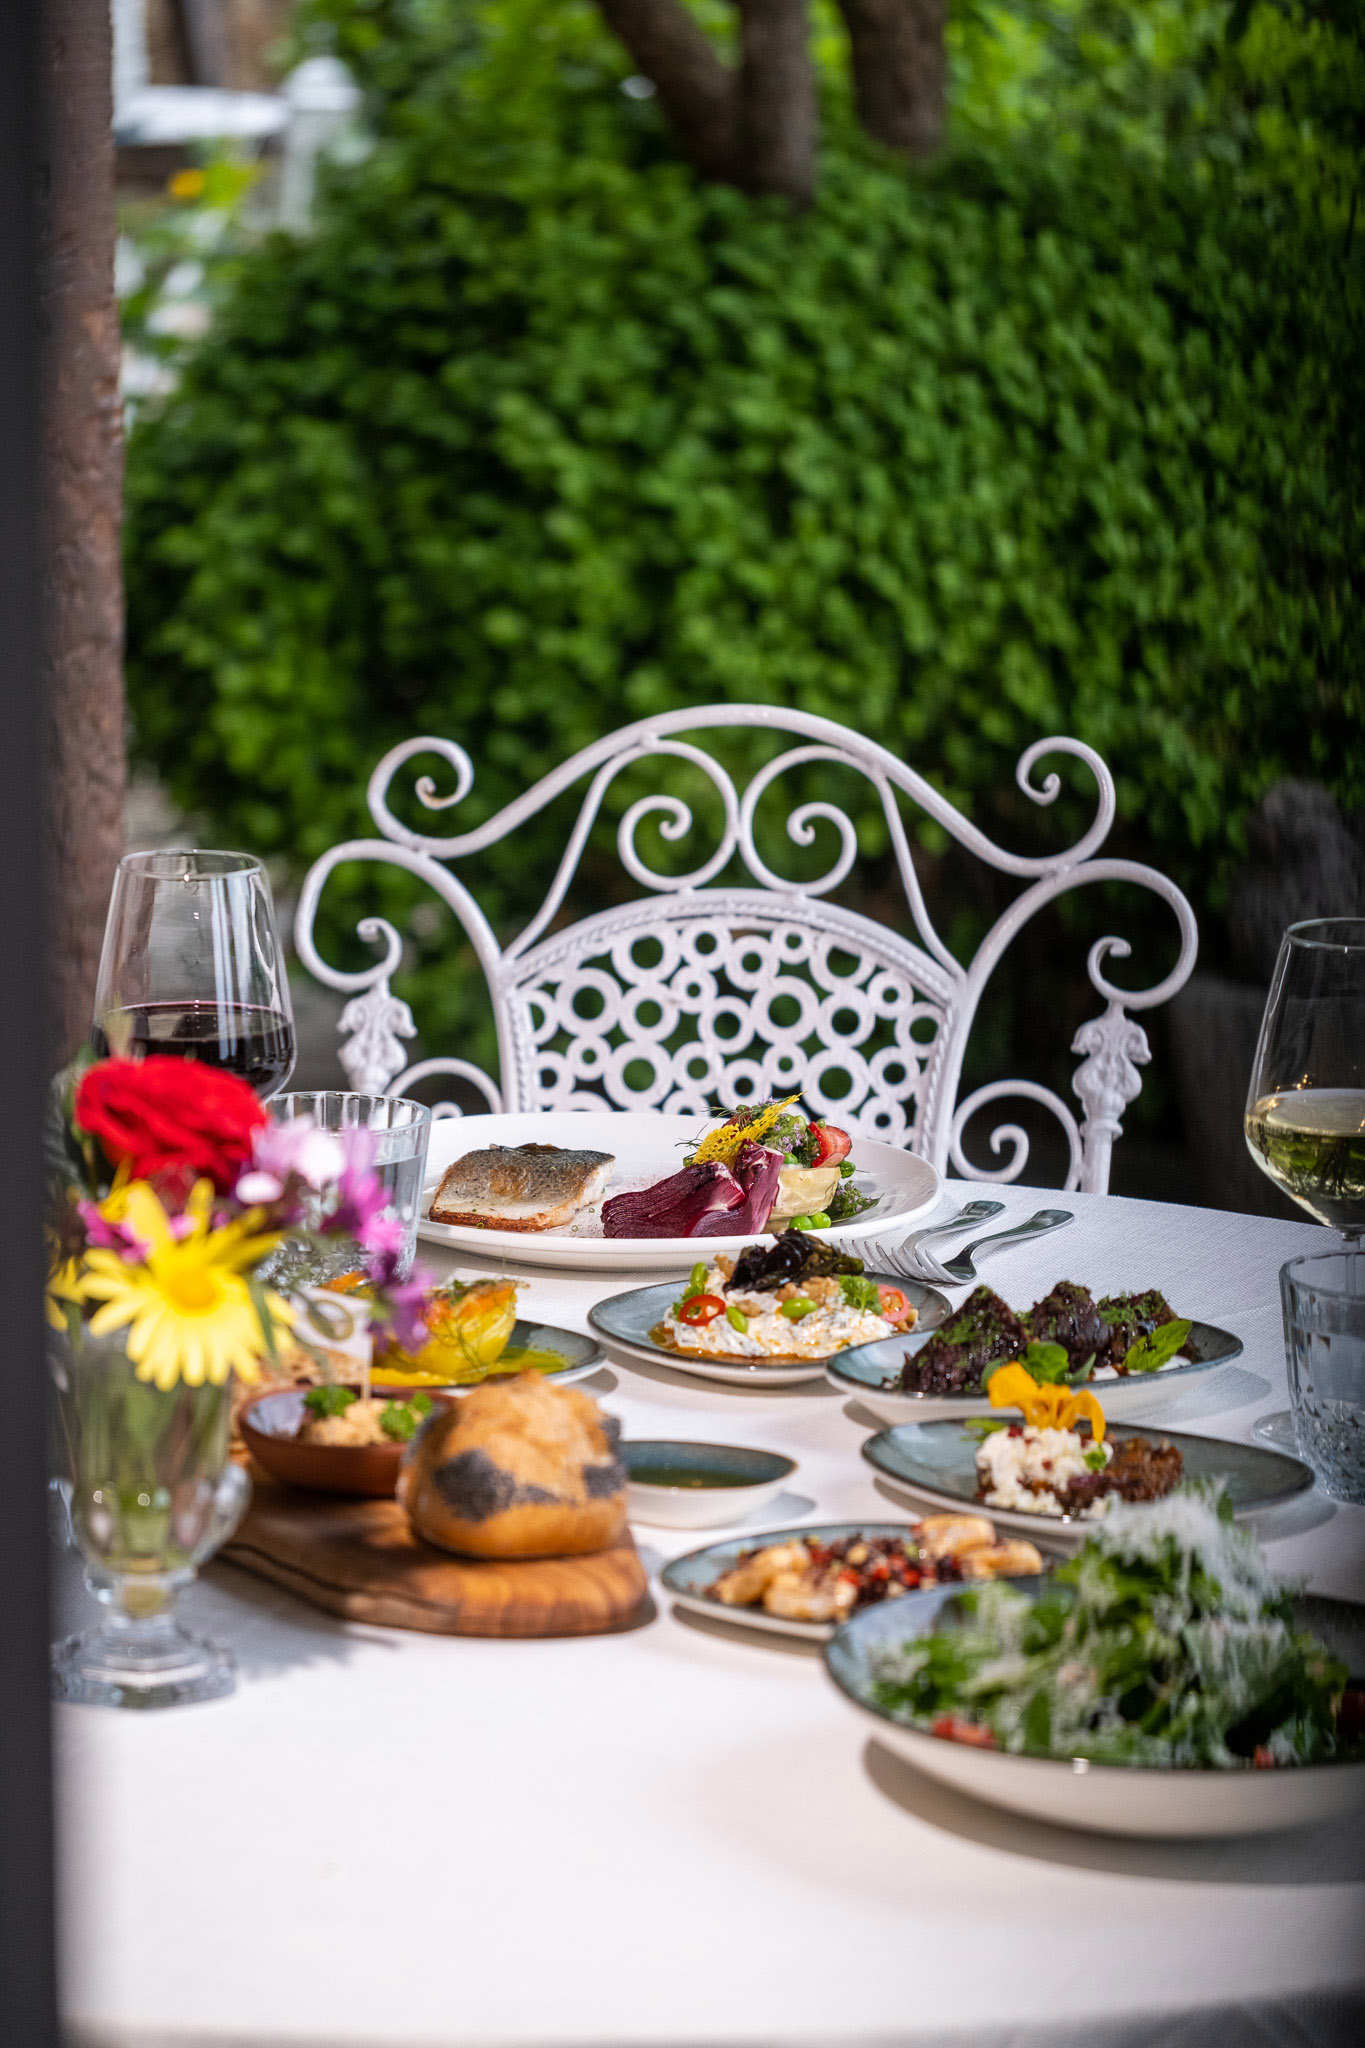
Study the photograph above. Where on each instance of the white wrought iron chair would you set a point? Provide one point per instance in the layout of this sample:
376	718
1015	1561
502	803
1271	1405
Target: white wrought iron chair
894	1025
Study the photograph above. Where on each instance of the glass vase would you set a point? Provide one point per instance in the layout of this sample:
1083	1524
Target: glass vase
151	1492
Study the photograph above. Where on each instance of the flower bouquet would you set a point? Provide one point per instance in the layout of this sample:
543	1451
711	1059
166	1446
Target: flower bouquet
169	1192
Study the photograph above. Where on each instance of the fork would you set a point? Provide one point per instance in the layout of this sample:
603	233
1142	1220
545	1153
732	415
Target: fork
960	1271
889	1255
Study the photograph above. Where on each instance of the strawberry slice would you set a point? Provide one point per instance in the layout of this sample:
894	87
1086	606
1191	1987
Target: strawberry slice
835	1145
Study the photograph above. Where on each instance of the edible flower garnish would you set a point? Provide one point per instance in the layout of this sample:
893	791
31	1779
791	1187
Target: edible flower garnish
1045	1407
723	1144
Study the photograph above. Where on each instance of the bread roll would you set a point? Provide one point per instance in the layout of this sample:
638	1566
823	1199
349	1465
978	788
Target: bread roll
517	1468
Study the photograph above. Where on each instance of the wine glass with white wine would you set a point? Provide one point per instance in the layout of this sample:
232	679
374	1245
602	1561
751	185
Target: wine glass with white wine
1305	1114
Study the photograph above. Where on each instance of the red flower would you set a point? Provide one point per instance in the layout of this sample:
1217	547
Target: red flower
162	1113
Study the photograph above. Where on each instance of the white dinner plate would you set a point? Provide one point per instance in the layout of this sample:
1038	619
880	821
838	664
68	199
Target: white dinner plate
647	1147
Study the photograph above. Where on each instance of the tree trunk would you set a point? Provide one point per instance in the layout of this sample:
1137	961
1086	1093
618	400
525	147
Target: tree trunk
696	90
82	467
777	118
757	127
900	70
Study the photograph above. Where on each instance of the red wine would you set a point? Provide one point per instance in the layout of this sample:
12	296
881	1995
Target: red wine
242	1038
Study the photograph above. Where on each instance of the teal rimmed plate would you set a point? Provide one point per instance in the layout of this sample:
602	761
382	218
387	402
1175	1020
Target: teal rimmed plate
627	1319
688	1578
936	1461
872	1371
580	1355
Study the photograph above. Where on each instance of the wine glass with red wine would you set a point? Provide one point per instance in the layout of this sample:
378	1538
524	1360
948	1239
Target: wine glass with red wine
192	966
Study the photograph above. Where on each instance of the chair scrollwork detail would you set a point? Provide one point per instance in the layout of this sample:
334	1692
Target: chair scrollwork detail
780	987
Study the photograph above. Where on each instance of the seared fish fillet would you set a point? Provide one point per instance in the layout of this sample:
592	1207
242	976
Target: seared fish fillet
520	1187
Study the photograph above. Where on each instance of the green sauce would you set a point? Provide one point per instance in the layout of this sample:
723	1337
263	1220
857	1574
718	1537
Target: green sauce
685	1475
529	1360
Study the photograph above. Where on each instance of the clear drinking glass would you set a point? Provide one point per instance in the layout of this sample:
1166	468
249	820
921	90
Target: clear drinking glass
1305	1113
192	965
150	1494
397	1130
1324	1341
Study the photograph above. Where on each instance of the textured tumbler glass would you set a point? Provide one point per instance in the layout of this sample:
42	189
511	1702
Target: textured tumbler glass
1323	1297
395	1150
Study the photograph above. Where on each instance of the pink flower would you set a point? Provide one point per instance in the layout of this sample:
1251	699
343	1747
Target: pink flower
299	1147
360	1197
400	1311
104	1236
385	1237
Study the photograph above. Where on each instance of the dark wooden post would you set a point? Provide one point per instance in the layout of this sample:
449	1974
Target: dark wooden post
28	1992
82	469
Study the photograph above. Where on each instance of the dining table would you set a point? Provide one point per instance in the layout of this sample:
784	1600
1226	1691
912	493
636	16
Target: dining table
680	1832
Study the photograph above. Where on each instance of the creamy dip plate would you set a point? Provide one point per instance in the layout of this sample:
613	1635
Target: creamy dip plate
787	1323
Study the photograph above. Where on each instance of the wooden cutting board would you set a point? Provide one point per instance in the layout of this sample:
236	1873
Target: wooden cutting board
360	1559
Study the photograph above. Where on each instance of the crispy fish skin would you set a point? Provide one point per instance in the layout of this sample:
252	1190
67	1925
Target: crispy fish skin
520	1187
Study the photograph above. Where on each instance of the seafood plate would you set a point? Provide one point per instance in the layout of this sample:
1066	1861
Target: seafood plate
646	1148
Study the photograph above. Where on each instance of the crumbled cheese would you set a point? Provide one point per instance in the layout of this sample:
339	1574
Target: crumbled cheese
1012	1469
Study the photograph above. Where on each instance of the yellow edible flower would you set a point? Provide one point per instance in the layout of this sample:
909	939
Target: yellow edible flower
1045	1407
724	1143
187	1308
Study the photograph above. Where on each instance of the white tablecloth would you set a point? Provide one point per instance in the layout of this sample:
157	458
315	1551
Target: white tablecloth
680	1834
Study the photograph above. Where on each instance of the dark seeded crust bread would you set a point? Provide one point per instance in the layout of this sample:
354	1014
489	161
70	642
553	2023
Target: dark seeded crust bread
517	1469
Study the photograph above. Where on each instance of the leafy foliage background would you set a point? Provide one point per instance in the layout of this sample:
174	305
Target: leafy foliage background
537	433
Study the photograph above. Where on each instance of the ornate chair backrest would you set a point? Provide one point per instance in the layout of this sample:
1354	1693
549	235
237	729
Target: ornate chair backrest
698	992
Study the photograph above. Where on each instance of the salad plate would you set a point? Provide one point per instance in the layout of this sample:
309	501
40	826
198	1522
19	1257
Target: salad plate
646	1146
1136	1799
627	1319
936	1462
872	1371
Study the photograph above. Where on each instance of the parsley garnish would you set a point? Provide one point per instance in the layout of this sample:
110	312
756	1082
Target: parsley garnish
329	1400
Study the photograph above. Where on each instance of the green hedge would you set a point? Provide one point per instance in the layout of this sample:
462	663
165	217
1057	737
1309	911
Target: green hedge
538	434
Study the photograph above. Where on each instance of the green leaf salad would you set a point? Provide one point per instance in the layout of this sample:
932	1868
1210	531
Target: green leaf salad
1167	1640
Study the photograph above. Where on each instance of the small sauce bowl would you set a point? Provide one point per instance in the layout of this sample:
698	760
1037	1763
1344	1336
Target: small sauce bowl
270	1427
698	1486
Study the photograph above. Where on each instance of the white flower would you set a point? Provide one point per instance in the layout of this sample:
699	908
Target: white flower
298	1146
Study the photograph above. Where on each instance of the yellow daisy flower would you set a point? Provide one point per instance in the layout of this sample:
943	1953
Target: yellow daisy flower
187	1308
63	1285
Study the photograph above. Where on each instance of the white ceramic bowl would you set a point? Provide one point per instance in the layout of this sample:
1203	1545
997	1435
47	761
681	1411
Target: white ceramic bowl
1106	1798
699	1486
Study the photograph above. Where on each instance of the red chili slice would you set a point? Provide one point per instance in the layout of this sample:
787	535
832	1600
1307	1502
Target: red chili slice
701	1309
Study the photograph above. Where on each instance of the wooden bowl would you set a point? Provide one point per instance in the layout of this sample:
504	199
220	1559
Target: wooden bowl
270	1424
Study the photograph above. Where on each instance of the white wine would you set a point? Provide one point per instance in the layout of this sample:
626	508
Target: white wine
1311	1142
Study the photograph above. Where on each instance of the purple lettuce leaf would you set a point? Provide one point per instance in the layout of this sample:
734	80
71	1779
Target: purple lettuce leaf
756	1169
673	1207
